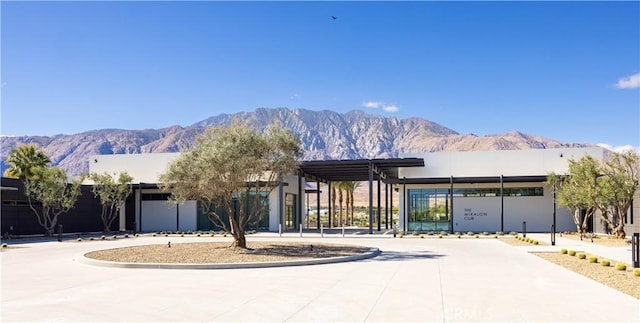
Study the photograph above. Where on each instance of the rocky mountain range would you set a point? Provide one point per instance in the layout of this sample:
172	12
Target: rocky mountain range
325	135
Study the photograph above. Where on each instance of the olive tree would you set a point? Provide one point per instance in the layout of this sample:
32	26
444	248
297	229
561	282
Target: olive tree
230	170
618	183
112	193
578	189
49	188
608	188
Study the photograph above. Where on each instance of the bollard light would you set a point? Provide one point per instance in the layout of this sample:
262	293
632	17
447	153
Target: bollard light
524	229
59	232
553	235
635	250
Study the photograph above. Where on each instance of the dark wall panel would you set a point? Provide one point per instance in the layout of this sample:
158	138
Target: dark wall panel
17	218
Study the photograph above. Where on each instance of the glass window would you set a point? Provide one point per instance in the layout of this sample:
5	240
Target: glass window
429	210
492	192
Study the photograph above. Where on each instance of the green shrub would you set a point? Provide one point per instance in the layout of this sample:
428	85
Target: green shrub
572	252
605	262
444	233
459	236
166	235
126	235
536	242
136	235
399	235
456	233
582	255
469	233
4	245
422	236
485	233
439	236
636	271
213	234
621	266
563	251
513	233
154	234
499	233
593	259
91	239
495	236
102	237
197	235
477	236
114	237
79	239
182	234
414	233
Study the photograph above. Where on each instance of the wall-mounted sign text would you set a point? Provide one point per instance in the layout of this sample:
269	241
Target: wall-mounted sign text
470	214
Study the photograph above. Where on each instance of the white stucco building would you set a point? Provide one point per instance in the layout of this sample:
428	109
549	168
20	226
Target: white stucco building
444	191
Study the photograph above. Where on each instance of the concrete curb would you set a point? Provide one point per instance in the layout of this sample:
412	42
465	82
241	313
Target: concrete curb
373	252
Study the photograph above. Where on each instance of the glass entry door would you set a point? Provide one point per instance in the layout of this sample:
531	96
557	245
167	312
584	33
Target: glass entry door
290	211
429	210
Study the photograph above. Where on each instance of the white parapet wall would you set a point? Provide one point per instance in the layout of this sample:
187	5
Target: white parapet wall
532	162
144	168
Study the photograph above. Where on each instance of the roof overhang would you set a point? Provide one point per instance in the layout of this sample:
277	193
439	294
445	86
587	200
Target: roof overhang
472	180
356	169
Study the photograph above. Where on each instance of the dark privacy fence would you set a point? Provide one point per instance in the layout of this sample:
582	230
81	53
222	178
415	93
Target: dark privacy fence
17	218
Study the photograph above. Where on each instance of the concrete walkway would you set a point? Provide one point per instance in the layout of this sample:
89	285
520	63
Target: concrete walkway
444	280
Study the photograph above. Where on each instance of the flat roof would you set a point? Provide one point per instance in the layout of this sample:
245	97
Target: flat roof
356	169
467	179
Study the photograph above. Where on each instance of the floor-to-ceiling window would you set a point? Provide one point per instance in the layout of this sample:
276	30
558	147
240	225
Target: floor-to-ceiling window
290	211
429	210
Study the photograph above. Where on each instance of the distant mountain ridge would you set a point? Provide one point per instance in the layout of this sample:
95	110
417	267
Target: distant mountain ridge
325	135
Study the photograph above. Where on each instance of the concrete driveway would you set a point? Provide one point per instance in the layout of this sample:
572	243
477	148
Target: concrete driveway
444	280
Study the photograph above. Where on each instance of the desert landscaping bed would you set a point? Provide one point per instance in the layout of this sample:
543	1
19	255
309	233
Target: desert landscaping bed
598	239
518	243
221	252
622	280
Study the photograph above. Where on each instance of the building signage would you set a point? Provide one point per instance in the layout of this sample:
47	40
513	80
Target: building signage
471	215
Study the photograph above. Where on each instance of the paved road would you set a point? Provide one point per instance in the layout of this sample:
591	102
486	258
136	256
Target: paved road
444	280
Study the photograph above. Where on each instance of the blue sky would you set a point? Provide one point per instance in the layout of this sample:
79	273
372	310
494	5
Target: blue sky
564	70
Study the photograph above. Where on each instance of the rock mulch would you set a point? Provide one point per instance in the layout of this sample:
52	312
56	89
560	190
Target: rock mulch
623	281
601	240
221	252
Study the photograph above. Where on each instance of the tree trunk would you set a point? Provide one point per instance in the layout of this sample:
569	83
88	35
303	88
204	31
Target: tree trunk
240	241
347	207
618	231
576	220
340	200
332	207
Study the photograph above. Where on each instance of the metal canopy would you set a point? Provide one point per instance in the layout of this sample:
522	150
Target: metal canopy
472	180
356	169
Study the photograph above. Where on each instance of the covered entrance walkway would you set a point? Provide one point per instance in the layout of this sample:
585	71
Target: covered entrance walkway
360	170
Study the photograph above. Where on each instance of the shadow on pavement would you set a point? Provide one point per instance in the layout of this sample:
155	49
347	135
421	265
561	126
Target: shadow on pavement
405	256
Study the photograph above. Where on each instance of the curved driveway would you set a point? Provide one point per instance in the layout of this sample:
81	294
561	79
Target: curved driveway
413	279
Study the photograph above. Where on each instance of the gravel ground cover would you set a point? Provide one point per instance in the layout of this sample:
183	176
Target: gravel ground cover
220	252
515	242
601	240
623	281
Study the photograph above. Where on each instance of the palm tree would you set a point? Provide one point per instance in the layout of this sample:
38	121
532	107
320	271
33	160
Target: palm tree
350	187
347	200
340	200
24	160
332	207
